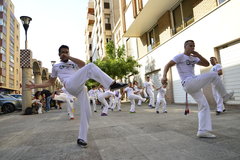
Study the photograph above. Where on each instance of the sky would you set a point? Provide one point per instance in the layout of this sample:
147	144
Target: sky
54	22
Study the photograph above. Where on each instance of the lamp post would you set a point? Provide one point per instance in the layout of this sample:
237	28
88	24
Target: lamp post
25	21
26	65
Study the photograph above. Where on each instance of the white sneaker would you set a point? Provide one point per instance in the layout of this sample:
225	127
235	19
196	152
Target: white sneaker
228	96
206	135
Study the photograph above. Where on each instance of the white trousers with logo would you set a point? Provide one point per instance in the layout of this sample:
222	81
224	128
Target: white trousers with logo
75	85
193	86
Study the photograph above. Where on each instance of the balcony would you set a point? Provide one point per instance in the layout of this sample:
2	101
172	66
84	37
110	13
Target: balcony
150	14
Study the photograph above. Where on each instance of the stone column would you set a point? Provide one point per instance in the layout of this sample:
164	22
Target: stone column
26	65
37	80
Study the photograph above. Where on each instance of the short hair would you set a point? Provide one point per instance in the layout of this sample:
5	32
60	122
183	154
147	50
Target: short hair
62	46
213	58
185	43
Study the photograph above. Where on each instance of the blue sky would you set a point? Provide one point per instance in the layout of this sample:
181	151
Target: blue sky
54	22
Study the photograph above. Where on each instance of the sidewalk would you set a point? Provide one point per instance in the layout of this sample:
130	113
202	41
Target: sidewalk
144	135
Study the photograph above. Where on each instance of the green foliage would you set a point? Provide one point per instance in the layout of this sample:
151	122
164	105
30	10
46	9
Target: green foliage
116	64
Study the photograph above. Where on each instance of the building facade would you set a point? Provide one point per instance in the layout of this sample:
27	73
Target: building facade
10	72
89	30
158	29
102	27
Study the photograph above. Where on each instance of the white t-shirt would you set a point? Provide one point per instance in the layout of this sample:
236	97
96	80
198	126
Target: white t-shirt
92	93
216	68
117	93
129	91
148	86
162	92
185	65
64	70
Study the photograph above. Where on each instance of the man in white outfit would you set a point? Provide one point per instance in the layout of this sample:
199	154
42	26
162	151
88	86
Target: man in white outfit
132	96
102	95
219	100
193	84
73	73
138	91
93	96
69	101
148	85
161	99
117	100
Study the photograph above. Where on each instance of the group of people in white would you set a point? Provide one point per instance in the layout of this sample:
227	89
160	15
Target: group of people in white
74	73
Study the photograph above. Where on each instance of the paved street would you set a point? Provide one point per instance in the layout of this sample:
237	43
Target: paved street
144	135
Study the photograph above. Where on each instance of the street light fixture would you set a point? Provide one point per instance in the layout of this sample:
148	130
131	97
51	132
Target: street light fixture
25	21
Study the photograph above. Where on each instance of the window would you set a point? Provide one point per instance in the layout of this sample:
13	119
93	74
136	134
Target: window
2	50
221	1
137	7
107	18
11	83
2	64
106	5
108	39
2	81
153	38
11	58
183	15
107	22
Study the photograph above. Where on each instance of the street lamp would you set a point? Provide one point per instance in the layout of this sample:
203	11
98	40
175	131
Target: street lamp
25	21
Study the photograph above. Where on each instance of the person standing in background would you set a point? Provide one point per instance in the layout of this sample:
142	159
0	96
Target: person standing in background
218	99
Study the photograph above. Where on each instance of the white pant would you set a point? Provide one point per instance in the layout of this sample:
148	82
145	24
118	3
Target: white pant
93	99
193	86
111	101
117	102
75	85
151	97
132	98
101	98
218	99
70	108
161	101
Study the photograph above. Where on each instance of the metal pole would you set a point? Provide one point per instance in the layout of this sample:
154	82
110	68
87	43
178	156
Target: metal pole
26	39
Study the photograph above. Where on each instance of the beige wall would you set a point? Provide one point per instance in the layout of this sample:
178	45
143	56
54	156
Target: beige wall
202	7
164	24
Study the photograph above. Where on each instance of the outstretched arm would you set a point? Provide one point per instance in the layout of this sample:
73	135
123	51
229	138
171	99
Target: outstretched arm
48	83
166	69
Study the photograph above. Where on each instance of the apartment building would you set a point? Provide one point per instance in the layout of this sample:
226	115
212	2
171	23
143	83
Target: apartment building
155	32
89	29
102	28
10	72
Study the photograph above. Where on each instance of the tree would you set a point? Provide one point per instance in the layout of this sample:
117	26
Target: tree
116	64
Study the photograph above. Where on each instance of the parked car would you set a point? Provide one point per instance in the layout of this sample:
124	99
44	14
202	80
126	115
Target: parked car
9	104
18	96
